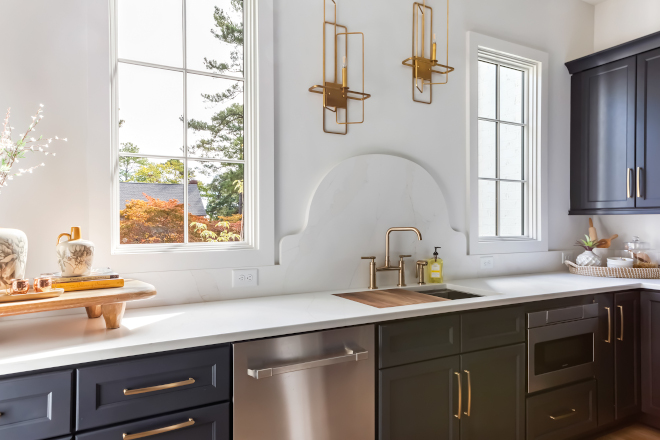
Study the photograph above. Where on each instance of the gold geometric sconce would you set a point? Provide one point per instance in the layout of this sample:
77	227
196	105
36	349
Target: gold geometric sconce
336	95
423	68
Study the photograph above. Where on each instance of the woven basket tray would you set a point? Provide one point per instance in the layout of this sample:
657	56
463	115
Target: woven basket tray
613	272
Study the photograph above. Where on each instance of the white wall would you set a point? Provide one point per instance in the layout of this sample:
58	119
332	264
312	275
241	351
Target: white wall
62	59
619	21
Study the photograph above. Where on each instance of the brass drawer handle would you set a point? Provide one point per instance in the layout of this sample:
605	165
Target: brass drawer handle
628	182
159	387
460	397
563	416
190	422
639	193
621	314
609	325
467	413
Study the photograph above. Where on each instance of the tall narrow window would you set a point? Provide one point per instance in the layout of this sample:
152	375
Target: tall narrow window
502	150
179	120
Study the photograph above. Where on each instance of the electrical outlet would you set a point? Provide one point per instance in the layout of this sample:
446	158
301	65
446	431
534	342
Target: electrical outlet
565	256
245	277
487	263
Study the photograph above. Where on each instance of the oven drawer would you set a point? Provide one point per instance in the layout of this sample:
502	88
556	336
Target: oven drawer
208	423
127	390
35	407
562	413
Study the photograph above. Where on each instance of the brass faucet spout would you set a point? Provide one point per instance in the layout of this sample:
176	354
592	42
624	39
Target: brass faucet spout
387	243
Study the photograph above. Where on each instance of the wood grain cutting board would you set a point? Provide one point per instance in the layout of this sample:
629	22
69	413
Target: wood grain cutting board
390	298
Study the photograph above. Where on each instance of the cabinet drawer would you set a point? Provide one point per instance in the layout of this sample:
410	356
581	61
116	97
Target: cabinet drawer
492	328
35	407
209	423
127	390
418	340
562	413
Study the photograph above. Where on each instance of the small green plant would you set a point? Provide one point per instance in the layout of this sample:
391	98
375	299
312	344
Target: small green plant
587	244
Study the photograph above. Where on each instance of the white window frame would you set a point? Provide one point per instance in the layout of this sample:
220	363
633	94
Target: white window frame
535	65
258	249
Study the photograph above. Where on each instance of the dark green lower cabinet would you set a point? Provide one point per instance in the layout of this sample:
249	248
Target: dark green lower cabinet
421	401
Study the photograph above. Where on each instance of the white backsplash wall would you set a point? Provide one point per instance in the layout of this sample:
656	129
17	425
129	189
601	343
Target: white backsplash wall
59	58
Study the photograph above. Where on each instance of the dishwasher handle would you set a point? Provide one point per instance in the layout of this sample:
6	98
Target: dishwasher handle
351	355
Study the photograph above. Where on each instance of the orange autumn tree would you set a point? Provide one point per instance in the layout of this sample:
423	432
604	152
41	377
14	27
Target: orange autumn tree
160	221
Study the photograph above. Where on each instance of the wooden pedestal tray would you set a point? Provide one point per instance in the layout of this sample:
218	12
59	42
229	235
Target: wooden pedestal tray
111	303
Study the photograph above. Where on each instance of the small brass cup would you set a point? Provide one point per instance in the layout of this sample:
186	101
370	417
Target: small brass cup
18	287
43	285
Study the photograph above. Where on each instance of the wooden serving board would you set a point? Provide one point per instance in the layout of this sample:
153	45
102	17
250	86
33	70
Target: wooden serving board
390	298
111	303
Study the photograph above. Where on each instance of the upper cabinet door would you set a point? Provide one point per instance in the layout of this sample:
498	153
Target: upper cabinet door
647	173
603	137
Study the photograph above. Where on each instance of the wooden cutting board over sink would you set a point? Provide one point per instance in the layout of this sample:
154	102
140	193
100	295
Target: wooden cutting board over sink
390	298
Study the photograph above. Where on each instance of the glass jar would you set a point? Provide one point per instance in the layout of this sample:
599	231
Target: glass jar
641	253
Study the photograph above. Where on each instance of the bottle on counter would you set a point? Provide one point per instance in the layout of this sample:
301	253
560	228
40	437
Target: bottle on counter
435	268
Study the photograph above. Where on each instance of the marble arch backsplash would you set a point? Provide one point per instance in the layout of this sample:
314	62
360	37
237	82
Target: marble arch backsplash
353	206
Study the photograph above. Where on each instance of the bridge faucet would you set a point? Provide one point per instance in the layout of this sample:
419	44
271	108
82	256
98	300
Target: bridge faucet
387	266
401	267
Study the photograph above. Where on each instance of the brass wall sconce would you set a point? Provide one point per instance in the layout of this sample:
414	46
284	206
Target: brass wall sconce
336	95
423	68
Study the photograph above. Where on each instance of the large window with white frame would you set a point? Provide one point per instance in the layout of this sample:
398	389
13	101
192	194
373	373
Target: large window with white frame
508	195
180	121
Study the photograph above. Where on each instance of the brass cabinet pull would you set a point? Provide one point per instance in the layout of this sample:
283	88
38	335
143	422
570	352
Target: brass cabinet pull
563	416
159	387
467	413
190	422
628	182
639	193
621	314
609	325
460	397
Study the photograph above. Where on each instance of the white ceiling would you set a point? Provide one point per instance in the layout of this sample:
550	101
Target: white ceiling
594	2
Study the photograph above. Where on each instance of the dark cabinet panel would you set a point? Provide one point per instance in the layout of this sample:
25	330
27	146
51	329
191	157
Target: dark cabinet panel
626	354
562	413
648	130
418	340
603	144
494	394
36	407
127	390
650	340
420	401
605	358
492	328
209	423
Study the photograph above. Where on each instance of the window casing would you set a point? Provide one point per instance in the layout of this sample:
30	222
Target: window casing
186	160
507	195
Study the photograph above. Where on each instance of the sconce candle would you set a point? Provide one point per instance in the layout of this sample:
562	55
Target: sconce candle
344	77
434	51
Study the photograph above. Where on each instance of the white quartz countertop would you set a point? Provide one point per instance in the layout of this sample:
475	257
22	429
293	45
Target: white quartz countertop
40	343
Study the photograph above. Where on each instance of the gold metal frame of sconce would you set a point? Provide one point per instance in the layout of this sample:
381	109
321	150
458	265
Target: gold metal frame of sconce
335	96
422	73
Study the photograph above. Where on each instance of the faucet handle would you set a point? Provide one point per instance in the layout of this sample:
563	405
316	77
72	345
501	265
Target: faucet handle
369	258
405	256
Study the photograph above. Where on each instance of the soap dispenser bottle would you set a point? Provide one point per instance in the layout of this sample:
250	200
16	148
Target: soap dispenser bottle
435	268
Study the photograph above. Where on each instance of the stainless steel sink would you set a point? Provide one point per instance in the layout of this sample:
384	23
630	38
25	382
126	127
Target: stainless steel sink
449	294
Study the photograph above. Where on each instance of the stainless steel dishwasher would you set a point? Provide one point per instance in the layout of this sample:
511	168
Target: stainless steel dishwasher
313	386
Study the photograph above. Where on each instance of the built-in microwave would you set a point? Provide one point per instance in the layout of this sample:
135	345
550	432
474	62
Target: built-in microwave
561	346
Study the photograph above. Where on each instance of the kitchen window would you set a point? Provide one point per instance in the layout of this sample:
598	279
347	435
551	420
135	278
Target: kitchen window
185	136
506	179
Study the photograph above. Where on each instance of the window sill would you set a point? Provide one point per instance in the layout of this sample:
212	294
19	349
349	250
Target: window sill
506	245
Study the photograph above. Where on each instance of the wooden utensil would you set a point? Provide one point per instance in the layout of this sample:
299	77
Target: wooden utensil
606	242
593	236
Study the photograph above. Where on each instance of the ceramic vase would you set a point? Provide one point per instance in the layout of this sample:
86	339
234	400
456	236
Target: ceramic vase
588	258
13	255
75	255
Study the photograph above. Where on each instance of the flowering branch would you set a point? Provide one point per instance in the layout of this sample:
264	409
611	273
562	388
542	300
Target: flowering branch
11	153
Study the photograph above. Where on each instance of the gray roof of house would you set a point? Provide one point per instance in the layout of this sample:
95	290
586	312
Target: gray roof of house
162	191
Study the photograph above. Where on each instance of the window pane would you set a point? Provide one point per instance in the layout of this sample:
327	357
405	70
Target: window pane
216	202
487	208
210	47
511	152
215	117
487	90
487	149
150	200
151	31
511	95
150	110
511	204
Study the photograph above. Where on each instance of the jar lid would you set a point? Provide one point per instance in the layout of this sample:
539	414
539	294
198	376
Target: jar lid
636	244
